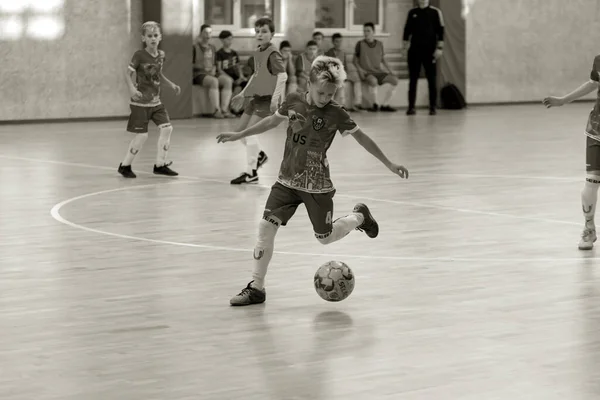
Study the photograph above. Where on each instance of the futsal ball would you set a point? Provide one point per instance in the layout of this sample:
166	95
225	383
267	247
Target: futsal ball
334	281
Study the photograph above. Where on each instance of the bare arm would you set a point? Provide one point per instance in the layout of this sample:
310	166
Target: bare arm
586	88
250	60
129	79
264	125
240	69
356	61
386	65
220	67
164	78
365	141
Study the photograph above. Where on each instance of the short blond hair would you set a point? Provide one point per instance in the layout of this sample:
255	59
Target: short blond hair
149	25
328	70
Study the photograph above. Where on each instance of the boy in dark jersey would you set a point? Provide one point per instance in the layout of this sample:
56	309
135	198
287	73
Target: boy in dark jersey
589	194
353	79
368	59
145	102
228	63
314	120
266	89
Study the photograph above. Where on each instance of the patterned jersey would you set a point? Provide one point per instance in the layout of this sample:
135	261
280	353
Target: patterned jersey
593	125
147	69
230	61
310	132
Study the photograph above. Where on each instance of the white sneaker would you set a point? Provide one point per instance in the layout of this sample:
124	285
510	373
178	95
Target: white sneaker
588	237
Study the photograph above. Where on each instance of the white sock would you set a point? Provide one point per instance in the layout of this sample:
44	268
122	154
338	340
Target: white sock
589	198
263	251
164	141
373	94
341	228
225	100
134	148
357	93
213	95
252	150
388	91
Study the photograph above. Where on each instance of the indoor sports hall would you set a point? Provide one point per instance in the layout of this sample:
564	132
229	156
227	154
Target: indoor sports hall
475	289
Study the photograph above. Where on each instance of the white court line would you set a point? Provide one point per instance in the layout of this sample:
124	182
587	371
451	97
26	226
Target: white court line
55	212
348	196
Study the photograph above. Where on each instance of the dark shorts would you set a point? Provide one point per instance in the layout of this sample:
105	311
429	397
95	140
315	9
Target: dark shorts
283	202
592	155
198	79
259	105
141	116
380	76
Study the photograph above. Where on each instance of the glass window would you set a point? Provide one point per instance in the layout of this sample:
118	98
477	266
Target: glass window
366	11
331	14
218	12
252	10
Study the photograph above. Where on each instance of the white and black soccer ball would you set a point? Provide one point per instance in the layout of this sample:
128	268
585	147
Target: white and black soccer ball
334	281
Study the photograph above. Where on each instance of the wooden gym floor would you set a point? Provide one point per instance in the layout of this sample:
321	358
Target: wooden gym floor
475	289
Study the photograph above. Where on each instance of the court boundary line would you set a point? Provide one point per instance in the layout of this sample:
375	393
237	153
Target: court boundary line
55	213
348	196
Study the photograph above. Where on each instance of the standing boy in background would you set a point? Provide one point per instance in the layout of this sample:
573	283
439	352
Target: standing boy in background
266	88
145	102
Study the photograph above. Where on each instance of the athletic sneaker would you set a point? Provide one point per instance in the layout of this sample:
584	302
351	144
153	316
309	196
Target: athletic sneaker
262	159
248	296
165	170
588	237
126	171
245	178
369	225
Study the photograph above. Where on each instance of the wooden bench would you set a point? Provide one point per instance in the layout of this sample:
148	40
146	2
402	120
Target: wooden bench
201	104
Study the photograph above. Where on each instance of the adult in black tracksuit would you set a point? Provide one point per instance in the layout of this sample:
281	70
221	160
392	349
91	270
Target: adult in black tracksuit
424	29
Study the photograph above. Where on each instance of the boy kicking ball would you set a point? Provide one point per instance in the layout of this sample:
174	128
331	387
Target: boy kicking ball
314	120
589	194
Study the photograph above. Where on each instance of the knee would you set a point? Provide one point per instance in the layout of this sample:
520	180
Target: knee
392	80
166	130
225	82
324	238
141	138
371	81
267	229
211	82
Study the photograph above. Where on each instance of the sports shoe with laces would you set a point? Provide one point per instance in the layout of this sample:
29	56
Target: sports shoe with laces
248	296
165	170
588	237
262	159
126	171
245	178
369	225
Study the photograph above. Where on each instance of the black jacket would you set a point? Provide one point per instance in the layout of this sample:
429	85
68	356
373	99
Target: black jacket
424	27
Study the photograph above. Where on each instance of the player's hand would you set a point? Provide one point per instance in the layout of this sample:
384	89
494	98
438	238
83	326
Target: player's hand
553	101
136	95
237	102
399	170
437	54
228	137
177	89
